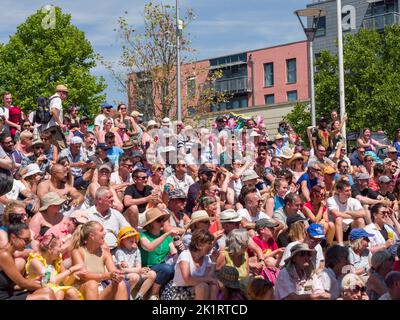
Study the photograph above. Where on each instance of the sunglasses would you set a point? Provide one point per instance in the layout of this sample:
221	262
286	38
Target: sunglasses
160	169
141	178
262	154
305	254
122	108
38	147
26	240
358	288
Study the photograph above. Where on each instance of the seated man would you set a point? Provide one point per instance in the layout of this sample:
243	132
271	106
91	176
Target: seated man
251	213
309	179
345	210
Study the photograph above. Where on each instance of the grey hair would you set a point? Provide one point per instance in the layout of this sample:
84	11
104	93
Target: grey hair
100	192
236	241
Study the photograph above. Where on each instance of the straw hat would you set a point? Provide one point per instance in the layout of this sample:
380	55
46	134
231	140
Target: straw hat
127	232
80	216
287	154
299	248
249	174
51	199
295	157
229	276
197	216
153	214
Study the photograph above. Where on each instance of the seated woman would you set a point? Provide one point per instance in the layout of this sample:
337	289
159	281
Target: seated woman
194	271
280	188
235	254
316	211
102	280
155	246
298	280
359	254
381	265
353	288
19	236
212	206
47	265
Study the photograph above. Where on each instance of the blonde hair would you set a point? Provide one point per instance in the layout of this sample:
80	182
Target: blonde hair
10	207
356	244
26	134
81	234
297	232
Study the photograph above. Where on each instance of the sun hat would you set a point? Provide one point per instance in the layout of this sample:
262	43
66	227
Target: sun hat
384	179
127	232
362	176
76	140
197	216
329	170
37	142
249	174
379	257
153	214
166	121
151	123
287	154
278	137
295	157
359	234
62	88
316	231
350	281
32	168
51	199
229	215
229	276
105	166
300	247
266	223
80	216
136	114
127	145
177	194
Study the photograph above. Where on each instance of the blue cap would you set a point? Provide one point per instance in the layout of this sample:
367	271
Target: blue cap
106	105
315	230
358	234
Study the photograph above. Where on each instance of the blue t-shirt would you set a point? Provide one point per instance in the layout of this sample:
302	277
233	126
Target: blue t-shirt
279	202
113	154
349	177
310	182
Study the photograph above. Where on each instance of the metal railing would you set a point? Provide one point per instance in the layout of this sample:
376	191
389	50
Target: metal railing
239	84
378	22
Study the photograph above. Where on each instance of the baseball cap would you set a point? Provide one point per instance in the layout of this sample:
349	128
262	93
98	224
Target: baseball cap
329	170
84	119
205	169
76	140
105	166
315	230
106	105
265	223
102	146
362	176
294	218
358	234
384	179
176	194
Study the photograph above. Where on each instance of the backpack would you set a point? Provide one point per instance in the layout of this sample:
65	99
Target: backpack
42	114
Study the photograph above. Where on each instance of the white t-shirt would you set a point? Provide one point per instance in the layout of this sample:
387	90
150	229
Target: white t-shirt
116	179
318	258
4	112
18	186
197	273
350	205
180	184
244	213
98	121
131	257
378	238
55	103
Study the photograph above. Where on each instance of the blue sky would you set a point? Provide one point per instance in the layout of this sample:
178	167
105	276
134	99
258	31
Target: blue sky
221	27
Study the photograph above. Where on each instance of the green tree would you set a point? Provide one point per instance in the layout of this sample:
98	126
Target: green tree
372	81
45	51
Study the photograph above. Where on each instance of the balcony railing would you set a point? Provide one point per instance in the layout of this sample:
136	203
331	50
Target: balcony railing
378	22
233	85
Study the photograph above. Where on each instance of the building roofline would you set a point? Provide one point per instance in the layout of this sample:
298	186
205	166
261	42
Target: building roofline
248	51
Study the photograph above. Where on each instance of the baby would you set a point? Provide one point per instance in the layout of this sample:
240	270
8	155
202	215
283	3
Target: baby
128	259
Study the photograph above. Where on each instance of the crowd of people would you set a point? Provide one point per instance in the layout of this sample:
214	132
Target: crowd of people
116	208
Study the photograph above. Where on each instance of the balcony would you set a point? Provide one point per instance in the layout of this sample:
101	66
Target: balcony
378	22
233	85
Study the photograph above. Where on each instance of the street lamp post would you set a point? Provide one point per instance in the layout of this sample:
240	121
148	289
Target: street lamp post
341	66
315	15
178	63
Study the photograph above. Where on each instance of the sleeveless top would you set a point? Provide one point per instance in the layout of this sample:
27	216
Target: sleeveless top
93	262
242	269
279	202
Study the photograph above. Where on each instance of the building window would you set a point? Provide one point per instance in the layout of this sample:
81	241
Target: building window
321	27
291	71
191	87
269	99
292	95
268	74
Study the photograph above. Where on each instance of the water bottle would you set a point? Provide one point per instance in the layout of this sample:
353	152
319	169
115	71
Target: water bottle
46	277
177	243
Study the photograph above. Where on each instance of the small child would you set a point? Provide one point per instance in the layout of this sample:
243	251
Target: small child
260	289
128	259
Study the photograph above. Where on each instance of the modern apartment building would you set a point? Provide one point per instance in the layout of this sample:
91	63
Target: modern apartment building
356	14
262	77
